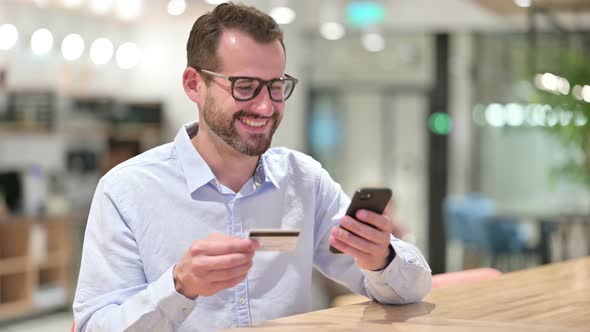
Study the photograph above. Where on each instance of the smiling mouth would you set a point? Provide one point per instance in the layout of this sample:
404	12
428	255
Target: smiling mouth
255	123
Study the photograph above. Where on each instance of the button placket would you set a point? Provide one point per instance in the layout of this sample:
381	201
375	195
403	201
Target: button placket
241	290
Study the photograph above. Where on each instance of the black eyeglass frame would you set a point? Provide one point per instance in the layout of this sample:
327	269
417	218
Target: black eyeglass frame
262	82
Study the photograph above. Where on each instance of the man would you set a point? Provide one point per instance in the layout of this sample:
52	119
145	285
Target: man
165	247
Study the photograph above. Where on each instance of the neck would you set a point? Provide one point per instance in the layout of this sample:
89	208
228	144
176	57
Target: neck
231	168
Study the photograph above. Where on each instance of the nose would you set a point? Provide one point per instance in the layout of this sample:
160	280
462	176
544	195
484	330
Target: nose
262	104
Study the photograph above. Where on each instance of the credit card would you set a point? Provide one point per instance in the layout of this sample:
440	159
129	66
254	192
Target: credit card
275	239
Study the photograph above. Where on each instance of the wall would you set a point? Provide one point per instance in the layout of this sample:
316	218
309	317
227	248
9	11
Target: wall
162	40
461	137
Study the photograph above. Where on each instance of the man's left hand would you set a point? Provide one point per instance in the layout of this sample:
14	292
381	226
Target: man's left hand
369	245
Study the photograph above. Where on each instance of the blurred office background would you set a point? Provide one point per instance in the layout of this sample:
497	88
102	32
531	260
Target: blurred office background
475	113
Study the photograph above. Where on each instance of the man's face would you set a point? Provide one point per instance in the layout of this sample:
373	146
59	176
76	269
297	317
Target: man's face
235	128
246	126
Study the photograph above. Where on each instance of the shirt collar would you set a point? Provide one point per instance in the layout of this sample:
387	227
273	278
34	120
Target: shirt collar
196	170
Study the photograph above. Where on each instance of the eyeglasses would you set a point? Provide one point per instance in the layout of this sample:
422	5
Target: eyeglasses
245	88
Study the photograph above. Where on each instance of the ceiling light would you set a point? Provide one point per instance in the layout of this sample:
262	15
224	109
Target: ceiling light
540	115
373	42
565	118
365	13
72	47
72	3
494	115
550	81
127	56
129	10
8	36
41	41
101	7
176	7
283	15
523	3
514	115
577	92
101	51
586	93
332	30
580	119
563	86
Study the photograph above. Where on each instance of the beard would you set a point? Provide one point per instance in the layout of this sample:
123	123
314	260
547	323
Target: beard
224	126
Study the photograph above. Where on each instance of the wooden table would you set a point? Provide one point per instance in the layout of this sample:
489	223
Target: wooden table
553	297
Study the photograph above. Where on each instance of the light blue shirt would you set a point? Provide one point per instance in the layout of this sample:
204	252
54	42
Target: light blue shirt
147	211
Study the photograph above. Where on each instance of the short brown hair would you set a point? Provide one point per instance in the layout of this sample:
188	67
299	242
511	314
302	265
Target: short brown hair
201	48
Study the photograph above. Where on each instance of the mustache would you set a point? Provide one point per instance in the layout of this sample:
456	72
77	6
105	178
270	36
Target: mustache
238	114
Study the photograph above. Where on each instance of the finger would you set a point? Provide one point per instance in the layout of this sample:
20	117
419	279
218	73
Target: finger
354	241
388	211
227	246
365	231
218	236
228	274
205	264
398	230
345	248
380	221
229	283
396	227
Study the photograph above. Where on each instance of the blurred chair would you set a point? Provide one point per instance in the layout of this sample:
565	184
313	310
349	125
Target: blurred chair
438	281
465	219
472	222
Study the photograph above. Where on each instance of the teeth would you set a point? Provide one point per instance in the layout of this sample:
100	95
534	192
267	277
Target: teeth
253	123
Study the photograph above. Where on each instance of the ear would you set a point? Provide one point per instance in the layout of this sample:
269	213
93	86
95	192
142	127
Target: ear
193	85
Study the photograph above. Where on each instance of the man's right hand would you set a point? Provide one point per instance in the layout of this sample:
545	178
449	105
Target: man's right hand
213	264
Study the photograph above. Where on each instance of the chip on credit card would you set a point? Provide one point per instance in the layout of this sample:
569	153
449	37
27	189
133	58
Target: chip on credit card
275	239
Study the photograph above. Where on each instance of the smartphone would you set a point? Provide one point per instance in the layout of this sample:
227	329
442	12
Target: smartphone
372	199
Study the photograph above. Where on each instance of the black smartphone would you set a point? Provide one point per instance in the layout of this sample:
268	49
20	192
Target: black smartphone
372	199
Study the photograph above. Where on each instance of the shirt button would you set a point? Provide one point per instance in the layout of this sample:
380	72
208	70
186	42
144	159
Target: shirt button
242	300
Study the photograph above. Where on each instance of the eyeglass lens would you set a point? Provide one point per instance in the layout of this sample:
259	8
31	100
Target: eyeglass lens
245	88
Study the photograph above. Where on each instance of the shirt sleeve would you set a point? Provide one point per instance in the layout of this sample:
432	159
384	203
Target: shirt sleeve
112	292
407	279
